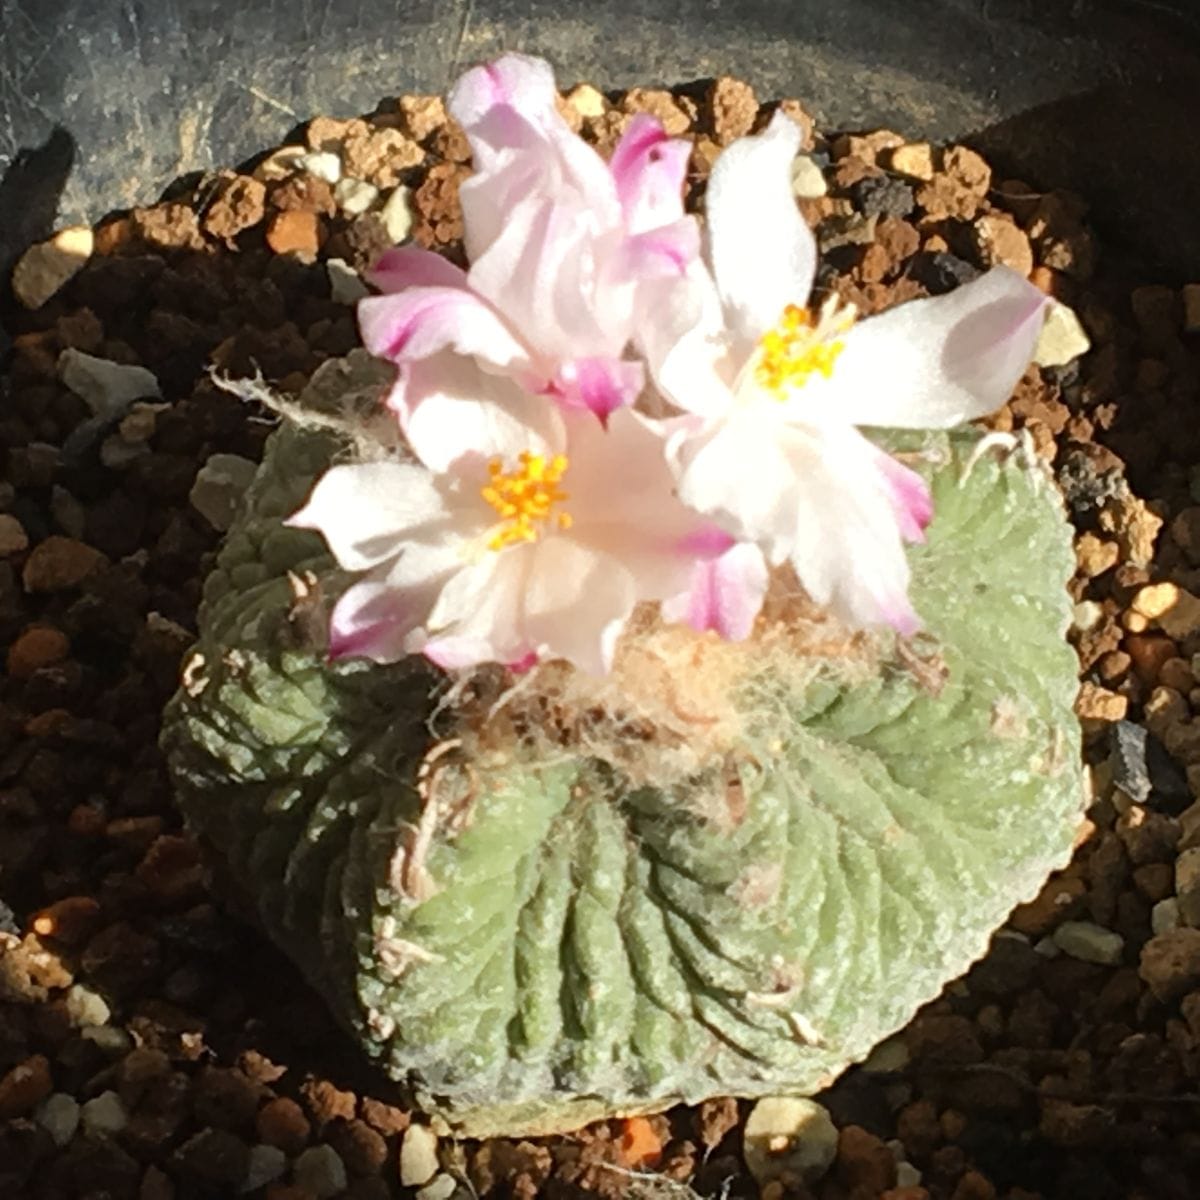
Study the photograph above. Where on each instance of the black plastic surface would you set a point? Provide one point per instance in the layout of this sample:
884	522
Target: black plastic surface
104	102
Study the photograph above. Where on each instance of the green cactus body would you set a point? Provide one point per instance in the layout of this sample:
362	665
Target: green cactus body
551	941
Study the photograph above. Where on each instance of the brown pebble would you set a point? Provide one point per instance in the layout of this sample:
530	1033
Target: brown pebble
13	538
239	205
70	920
1149	653
281	1122
295	232
1095	703
59	563
1177	673
973	1186
659	103
304	193
226	1098
917	1127
168	226
156	1185
734	108
998	241
1170	963
381	156
385	1118
288	1191
863	1161
325	1102
915	1192
422	115
1095	555
25	1087
36	647
359	1146
172	869
1156	881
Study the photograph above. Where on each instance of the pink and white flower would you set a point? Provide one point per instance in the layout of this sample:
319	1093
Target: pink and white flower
536	548
773	393
562	247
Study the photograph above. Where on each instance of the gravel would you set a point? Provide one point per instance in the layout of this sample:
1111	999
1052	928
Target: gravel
1067	1063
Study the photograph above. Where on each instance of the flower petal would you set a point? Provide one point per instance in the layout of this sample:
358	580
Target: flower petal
847	549
599	385
365	510
681	333
649	169
623	503
737	472
546	272
480	614
522	147
420	321
911	500
450	408
374	619
411	266
577	603
763	254
725	595
934	363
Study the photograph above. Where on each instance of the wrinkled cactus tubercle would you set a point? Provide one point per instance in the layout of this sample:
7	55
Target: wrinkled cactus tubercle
726	871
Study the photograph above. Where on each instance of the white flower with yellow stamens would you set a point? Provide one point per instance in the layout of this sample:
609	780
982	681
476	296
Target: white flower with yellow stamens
524	552
773	392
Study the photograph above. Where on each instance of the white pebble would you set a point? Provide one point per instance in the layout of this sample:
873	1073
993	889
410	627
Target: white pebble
808	180
219	487
418	1156
267	1163
1089	942
1062	338
86	1007
104	1116
43	269
907	1176
345	284
355	196
58	1115
106	387
789	1139
397	215
1165	915
109	1039
1087	614
324	164
441	1187
321	1171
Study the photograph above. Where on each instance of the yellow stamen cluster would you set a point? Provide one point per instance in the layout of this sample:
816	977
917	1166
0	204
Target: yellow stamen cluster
524	498
793	350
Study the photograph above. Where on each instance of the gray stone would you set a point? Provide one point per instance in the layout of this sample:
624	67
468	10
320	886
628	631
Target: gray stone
1089	942
321	1171
219	487
106	387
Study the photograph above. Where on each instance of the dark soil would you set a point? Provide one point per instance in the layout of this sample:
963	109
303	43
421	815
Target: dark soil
128	987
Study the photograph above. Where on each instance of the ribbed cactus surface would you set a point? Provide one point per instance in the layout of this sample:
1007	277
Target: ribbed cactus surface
557	943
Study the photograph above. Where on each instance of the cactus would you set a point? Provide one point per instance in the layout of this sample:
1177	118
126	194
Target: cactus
533	940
